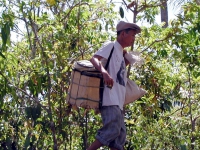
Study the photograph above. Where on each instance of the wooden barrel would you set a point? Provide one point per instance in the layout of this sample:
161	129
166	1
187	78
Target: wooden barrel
85	90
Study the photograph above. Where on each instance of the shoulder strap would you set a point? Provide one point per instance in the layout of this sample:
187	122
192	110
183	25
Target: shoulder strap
101	81
106	67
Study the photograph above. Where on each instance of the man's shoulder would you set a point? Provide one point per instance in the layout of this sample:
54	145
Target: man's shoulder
107	46
108	43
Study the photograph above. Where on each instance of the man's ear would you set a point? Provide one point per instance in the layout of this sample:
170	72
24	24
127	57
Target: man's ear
122	33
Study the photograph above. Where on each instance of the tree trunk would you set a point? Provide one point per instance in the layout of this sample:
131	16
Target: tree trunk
164	12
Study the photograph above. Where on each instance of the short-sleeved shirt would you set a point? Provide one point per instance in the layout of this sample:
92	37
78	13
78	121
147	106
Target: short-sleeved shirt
117	70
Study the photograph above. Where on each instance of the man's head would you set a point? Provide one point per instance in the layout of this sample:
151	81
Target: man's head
126	33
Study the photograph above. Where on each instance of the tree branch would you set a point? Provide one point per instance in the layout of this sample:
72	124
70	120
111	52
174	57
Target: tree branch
23	91
78	4
156	41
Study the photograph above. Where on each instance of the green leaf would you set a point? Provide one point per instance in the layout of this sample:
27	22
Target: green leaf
28	111
36	112
2	55
27	141
163	53
183	147
121	12
4	35
5	32
106	27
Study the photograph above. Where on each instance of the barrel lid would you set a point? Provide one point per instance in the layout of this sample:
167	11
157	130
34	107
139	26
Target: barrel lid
83	65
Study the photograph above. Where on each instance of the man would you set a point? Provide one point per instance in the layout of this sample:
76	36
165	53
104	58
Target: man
113	132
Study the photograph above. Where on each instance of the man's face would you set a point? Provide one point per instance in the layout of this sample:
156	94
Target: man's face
129	38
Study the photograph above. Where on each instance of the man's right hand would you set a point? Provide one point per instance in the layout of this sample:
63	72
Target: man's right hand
95	60
107	79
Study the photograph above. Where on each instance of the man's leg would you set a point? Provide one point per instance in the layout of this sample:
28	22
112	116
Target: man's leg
95	145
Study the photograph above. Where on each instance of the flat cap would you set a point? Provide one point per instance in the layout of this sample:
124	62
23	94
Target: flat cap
122	25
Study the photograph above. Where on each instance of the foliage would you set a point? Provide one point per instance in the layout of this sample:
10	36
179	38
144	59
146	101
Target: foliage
35	72
169	114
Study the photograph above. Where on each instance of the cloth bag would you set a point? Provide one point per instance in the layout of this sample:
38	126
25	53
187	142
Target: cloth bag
133	92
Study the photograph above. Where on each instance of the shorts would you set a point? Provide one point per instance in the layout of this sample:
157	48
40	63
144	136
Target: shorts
113	132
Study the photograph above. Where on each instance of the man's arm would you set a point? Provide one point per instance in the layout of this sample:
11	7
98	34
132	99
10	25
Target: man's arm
95	60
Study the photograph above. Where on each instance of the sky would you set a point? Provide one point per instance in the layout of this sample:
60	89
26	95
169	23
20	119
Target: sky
129	15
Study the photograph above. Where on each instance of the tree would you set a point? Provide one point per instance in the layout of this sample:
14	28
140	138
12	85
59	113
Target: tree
164	88
35	71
